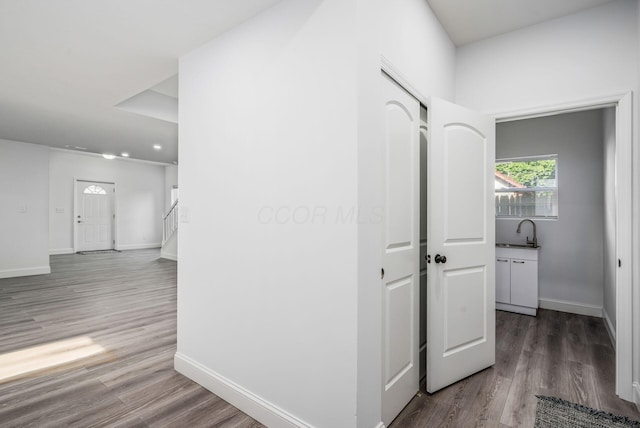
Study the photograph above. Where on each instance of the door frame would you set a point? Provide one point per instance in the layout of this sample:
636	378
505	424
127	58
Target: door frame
623	104
114	222
388	68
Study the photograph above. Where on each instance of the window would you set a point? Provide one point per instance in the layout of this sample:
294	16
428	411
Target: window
95	190
527	187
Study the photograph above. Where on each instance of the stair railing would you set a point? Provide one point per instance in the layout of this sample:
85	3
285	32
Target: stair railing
170	222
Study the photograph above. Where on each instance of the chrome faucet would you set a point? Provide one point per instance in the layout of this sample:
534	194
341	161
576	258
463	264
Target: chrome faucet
534	242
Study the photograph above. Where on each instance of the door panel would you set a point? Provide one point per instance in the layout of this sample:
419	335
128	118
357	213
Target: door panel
464	196
398	329
399	154
465	318
401	250
461	290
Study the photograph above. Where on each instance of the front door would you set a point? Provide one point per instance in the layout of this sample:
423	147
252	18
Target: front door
461	243
94	216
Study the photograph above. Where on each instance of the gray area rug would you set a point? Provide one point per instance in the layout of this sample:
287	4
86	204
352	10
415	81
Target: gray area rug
554	412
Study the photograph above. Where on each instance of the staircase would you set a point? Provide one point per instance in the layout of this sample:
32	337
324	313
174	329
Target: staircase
170	234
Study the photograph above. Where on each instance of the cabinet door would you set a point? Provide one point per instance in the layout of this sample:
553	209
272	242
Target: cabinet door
503	280
524	283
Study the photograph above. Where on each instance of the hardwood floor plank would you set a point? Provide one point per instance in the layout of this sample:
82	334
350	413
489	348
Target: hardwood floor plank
486	408
535	340
521	403
513	329
577	340
595	333
582	385
417	412
554	371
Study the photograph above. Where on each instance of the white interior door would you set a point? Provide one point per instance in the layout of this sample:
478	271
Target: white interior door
461	243
94	216
401	248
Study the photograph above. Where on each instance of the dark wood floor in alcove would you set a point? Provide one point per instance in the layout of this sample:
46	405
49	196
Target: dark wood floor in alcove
557	354
126	304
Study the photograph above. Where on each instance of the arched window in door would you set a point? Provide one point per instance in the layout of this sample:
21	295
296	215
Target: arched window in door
94	189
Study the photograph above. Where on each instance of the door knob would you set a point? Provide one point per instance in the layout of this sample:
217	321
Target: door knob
440	259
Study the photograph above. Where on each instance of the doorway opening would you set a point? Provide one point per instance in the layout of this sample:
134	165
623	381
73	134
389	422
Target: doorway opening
94	215
617	179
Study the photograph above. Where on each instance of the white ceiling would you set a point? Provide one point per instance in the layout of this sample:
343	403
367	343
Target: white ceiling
65	64
468	21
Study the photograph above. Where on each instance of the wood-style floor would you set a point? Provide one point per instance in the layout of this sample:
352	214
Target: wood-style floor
104	329
556	354
123	305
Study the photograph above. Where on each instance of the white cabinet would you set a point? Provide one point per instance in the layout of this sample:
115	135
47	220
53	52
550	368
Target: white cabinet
517	279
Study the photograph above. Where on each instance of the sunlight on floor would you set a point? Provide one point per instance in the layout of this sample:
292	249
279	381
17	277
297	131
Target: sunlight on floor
50	355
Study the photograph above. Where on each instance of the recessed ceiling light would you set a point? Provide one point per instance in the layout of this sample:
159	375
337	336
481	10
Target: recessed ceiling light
124	154
157	147
108	156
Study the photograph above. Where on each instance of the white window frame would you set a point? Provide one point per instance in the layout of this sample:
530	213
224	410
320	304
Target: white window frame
533	190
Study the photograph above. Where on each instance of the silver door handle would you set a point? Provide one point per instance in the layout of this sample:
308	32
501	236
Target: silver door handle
518	261
502	260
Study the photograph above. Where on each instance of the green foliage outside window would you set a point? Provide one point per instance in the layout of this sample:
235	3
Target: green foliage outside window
529	173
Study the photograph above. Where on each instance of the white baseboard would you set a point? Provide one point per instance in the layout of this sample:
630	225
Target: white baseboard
124	247
36	270
168	256
256	407
610	328
57	251
571	307
516	308
636	394
380	425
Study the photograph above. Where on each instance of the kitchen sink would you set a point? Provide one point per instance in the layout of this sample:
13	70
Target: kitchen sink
505	245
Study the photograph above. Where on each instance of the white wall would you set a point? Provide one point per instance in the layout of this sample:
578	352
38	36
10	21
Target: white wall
585	55
610	259
571	253
268	159
412	39
297	64
24	193
139	198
